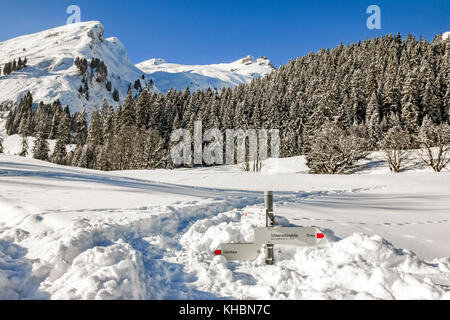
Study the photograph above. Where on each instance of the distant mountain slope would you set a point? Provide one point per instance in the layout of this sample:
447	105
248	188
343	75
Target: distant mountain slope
51	72
177	76
445	35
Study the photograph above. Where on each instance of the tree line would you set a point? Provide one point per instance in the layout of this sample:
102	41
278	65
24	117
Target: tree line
369	94
14	65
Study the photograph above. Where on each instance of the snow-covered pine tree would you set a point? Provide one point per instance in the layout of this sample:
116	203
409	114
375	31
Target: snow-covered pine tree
24	128
391	88
446	106
373	120
54	127
81	124
25	146
95	131
41	148
64	129
128	115
410	110
143	110
115	95
430	102
59	155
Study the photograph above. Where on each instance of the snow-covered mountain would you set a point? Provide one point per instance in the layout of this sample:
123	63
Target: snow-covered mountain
446	35
51	72
177	76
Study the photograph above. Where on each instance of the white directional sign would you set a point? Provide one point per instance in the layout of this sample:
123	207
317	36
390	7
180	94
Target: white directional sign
294	236
266	236
239	251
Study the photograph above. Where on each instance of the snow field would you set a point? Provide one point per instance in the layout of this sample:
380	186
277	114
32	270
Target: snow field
143	259
125	236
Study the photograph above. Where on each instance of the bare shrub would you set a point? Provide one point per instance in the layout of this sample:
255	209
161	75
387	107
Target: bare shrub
435	142
396	146
335	149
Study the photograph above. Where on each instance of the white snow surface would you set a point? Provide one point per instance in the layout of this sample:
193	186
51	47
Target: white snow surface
176	76
71	233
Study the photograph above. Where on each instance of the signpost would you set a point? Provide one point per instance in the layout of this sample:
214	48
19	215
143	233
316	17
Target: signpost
268	236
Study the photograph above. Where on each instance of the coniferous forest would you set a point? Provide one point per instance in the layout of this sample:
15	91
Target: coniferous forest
388	93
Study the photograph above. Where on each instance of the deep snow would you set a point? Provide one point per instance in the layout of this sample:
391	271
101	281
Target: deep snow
69	233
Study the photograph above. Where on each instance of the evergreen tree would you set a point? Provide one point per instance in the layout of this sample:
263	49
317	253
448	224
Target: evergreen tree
143	110
95	135
410	109
24	150
116	95
41	148
59	155
81	128
431	103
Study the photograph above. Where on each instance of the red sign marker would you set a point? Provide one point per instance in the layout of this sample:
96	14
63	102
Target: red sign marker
218	252
320	236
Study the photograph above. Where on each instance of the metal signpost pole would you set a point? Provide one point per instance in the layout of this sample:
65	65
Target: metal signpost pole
268	200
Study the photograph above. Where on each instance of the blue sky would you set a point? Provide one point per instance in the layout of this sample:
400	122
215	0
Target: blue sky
202	32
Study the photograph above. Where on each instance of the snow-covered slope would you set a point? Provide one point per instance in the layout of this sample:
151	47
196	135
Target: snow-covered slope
51	73
177	76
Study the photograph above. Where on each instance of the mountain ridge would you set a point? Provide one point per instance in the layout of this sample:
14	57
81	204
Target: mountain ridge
217	75
52	73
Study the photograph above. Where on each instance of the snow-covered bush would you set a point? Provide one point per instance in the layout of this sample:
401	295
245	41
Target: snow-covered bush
395	145
335	149
435	142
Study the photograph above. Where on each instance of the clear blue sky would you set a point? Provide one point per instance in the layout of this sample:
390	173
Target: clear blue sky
202	32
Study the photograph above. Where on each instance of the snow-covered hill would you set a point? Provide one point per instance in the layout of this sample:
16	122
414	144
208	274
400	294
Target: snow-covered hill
51	72
177	76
